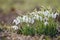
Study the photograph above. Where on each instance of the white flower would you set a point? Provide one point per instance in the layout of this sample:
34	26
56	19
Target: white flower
54	15
16	21
25	18
32	21
15	27
37	17
45	19
29	20
45	23
46	13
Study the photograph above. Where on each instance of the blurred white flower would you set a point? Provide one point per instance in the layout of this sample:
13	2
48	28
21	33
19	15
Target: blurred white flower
37	17
46	13
16	21
15	27
45	19
45	23
32	20
29	20
25	18
54	15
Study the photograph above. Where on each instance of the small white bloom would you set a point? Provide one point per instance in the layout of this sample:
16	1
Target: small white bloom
15	27
46	13
16	21
29	20
32	21
37	17
45	19
45	23
25	18
54	15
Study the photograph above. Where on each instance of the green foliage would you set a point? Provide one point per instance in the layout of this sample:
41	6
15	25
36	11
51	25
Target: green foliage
39	28
52	29
28	31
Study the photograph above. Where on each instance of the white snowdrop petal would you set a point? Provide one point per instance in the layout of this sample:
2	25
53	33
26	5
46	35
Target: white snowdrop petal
32	21
15	27
45	19
45	23
46	13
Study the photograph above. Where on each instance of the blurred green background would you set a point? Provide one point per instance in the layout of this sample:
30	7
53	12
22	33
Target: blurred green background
28	4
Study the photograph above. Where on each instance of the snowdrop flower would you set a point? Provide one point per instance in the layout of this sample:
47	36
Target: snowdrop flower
25	18
16	21
45	23
45	19
15	27
37	17
46	13
29	20
54	15
19	18
32	20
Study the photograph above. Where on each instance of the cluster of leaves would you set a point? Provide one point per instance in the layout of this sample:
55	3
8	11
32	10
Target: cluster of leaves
39	28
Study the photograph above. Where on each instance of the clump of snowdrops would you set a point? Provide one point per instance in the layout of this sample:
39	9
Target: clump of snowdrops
37	22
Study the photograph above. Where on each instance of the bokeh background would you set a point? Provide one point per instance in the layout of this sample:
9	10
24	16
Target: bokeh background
28	4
